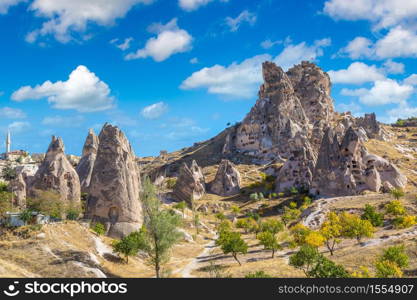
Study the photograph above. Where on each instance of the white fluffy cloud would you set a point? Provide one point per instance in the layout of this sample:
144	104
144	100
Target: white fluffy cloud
66	17
61	121
357	48
294	54
241	80
398	42
244	17
6	4
356	73
170	40
18	126
83	91
191	5
382	13
235	80
154	111
383	92
411	80
403	111
393	67
12	113
122	45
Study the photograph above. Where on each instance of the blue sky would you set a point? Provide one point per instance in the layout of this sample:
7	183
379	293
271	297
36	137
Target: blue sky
174	72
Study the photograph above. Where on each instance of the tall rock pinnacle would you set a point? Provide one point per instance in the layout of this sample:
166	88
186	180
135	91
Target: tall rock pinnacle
86	164
115	185
57	174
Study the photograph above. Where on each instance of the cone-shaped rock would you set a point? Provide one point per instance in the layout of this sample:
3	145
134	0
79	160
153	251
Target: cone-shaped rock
227	180
57	174
190	183
86	164
115	185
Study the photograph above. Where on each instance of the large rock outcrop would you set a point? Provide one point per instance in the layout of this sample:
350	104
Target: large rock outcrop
115	185
190	184
288	125
227	180
86	164
58	175
25	175
347	168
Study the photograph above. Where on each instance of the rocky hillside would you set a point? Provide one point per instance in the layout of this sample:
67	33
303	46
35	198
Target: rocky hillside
294	128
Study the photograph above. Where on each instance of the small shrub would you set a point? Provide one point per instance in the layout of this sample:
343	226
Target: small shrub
397	255
395	208
171	182
258	274
99	228
254	196
388	269
372	216
397	193
403	222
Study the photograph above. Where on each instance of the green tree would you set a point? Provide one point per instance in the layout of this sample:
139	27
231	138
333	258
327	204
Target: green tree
181	206
232	242
397	193
314	264
99	228
269	241
196	219
305	259
354	227
272	225
254	197
402	222
235	210
290	214
127	246
397	255
160	232
387	269
395	208
48	203
325	268
26	216
372	216
331	230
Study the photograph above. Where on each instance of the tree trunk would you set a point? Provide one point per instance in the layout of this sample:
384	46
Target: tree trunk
273	253
235	257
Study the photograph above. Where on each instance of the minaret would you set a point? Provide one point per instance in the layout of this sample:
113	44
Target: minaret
8	142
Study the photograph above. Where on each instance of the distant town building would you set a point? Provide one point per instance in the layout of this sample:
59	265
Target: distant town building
17	155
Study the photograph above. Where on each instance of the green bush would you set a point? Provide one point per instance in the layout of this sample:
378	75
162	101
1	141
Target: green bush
99	228
372	216
258	274
397	255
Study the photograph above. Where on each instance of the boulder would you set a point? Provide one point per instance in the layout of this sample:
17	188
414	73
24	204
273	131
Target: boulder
115	185
190	183
58	175
227	180
86	164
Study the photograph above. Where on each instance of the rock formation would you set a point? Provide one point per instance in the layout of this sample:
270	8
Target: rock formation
19	186
86	164
348	169
227	180
190	183
115	185
57	174
289	125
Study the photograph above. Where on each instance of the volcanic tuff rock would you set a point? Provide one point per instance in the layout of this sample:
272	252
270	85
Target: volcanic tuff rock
347	168
86	164
115	185
190	184
57	174
19	186
288	125
227	180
